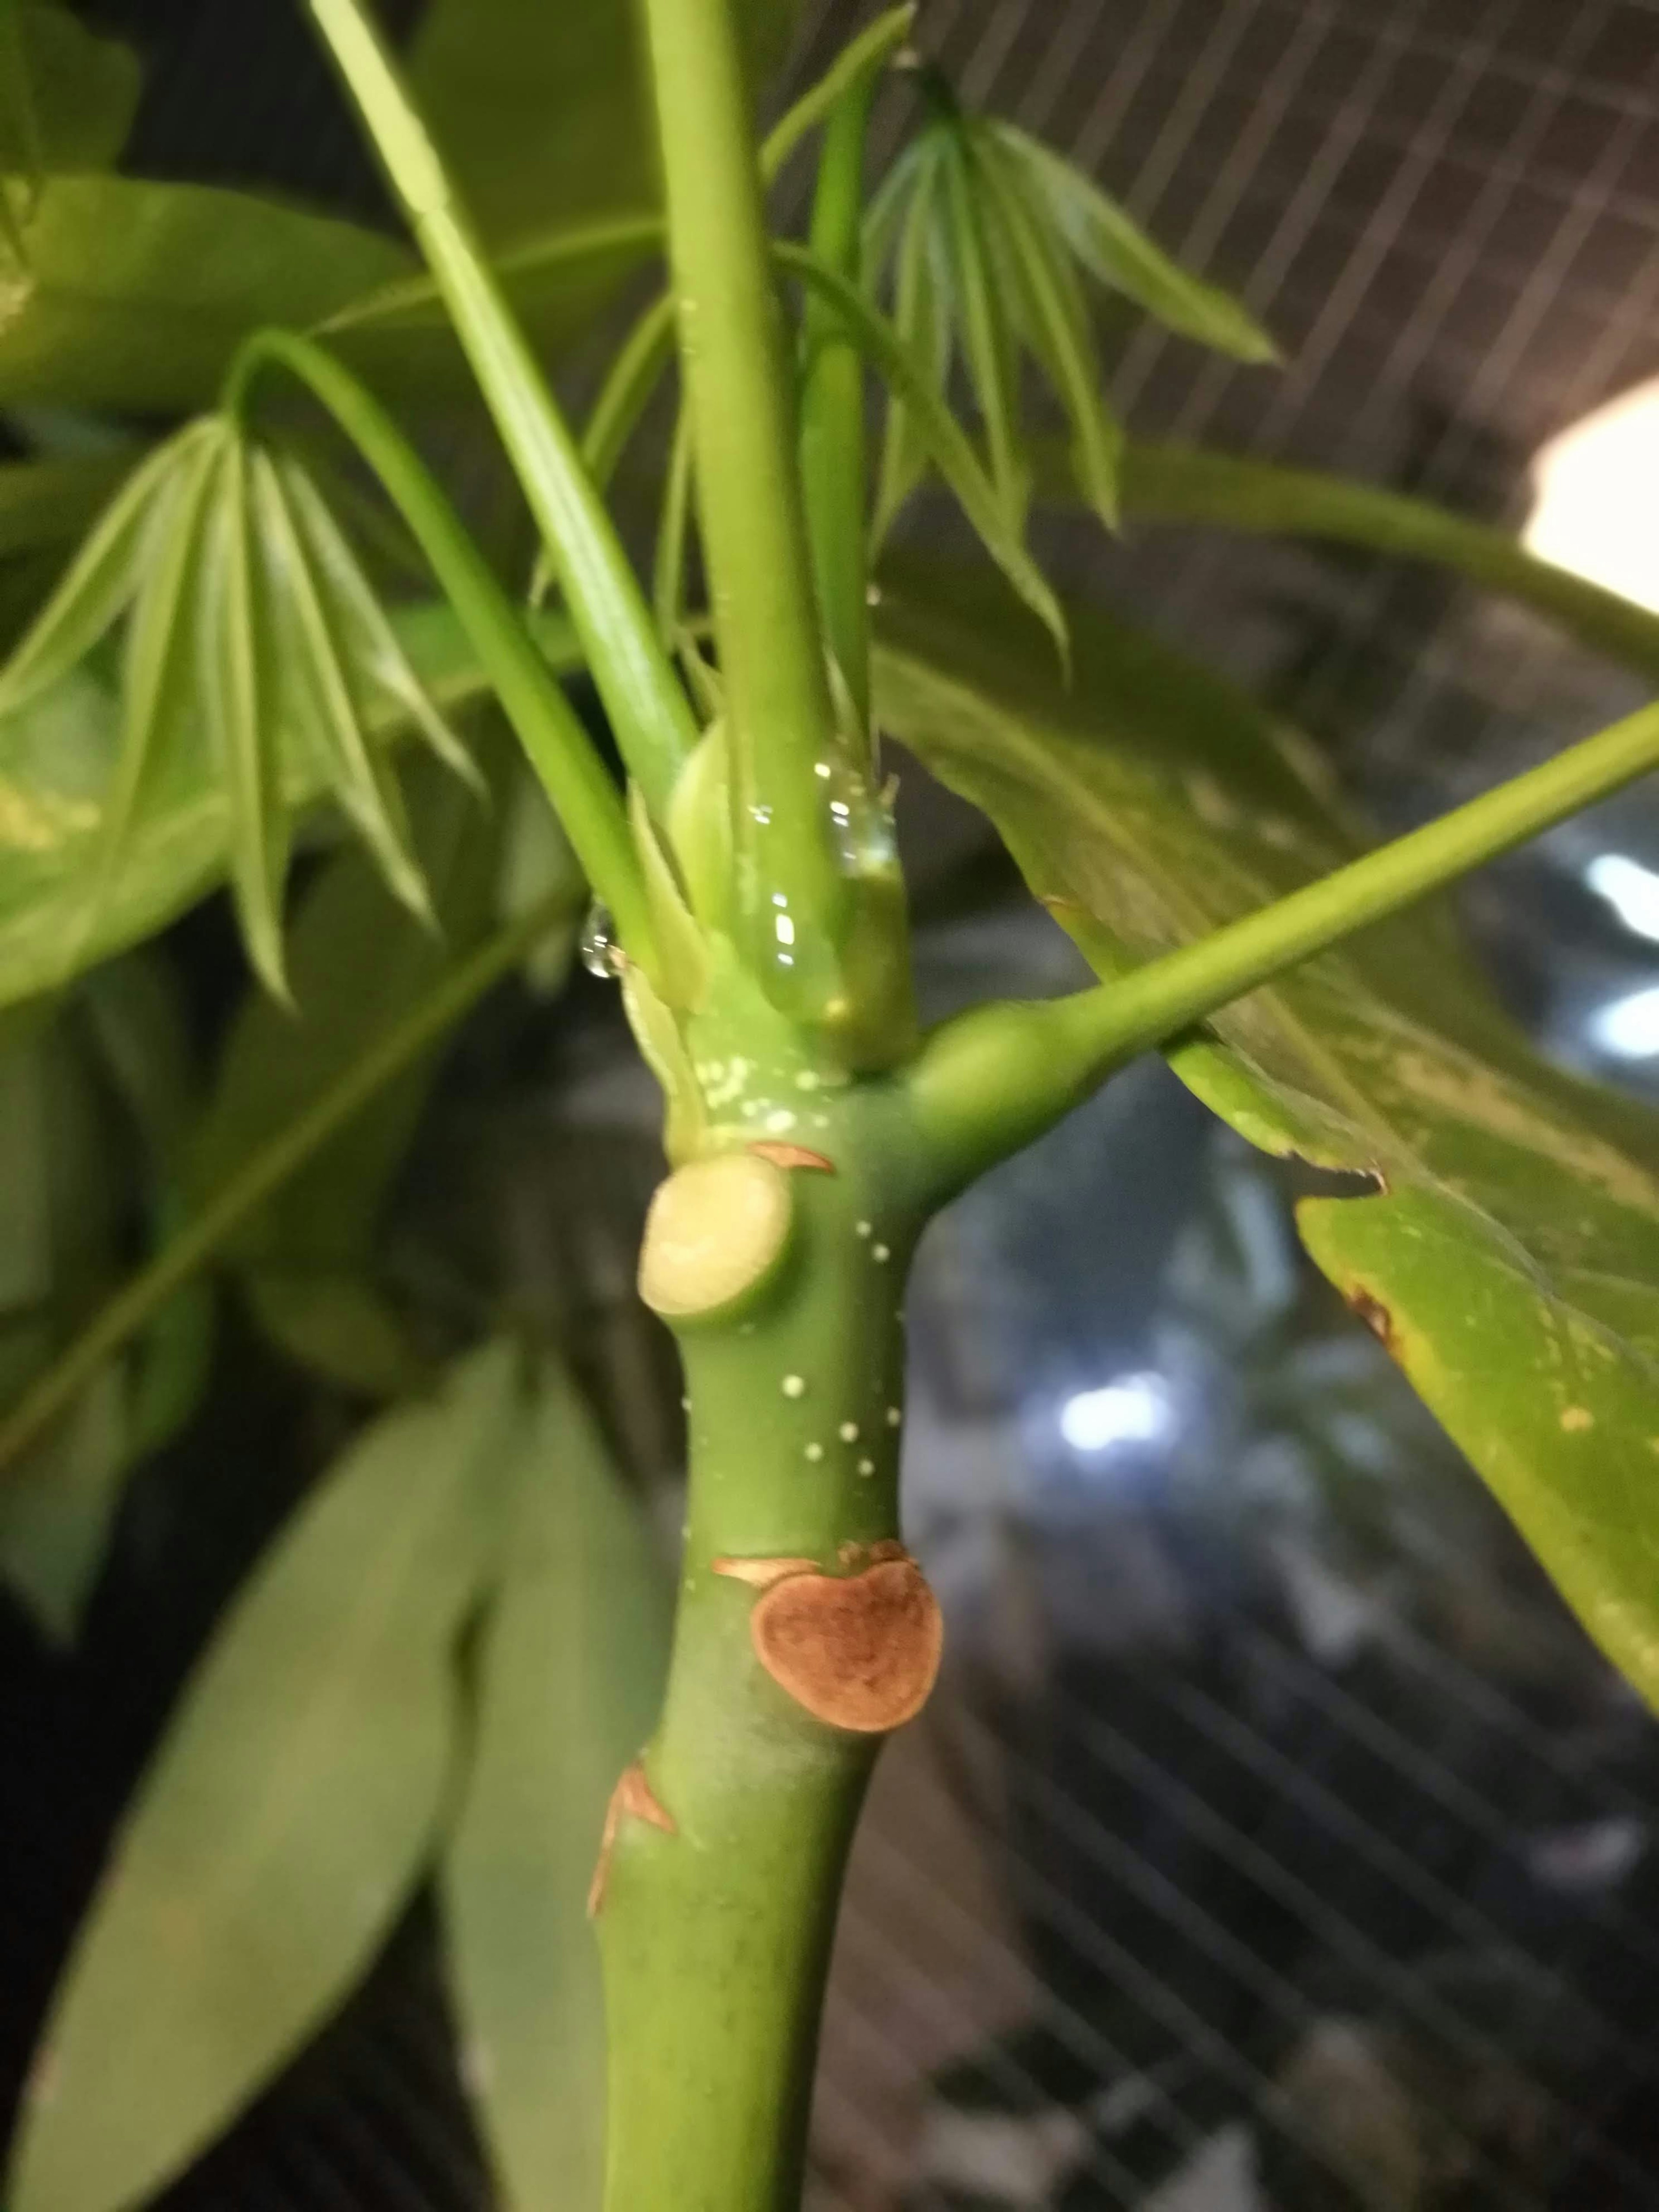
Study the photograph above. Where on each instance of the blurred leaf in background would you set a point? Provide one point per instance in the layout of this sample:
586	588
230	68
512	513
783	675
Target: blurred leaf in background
570	1670
288	1813
95	1096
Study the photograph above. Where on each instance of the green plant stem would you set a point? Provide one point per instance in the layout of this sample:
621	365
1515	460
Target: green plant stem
834	460
194	1244
636	679
574	778
779	723
1183	483
716	1938
992	1079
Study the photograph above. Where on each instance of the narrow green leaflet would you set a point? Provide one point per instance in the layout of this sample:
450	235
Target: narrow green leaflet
311	640
922	328
984	302
239	687
136	295
1116	251
948	446
1510	1257
100	582
279	1829
570	1673
1056	323
359	963
57	755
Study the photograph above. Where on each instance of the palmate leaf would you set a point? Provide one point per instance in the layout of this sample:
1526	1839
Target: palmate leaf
570	1671
986	237
57	757
252	635
1510	1255
280	1828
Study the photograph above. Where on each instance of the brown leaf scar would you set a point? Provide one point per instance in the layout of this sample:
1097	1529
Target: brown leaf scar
858	1651
633	1798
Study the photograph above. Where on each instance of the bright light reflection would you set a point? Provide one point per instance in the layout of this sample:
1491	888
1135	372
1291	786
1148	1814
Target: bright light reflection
1630	889
1597	486
1629	1027
1134	1410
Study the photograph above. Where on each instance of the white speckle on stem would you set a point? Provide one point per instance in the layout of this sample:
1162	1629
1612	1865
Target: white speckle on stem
815	1451
863	1228
795	1386
880	1253
866	1466
849	1432
894	1417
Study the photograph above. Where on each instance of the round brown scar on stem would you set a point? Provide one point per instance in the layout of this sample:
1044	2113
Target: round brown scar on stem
633	1798
792	1156
860	1652
762	1573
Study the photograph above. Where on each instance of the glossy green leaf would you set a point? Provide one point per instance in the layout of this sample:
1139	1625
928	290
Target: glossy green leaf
544	114
136	295
56	759
570	1671
1114	249
1510	1255
359	962
281	1825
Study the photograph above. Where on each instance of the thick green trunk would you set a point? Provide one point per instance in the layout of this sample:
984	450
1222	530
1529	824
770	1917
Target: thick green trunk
716	1931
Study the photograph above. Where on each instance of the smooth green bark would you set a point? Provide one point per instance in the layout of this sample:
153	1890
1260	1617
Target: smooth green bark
716	1939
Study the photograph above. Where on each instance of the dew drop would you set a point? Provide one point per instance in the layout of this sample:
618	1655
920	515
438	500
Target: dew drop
795	1386
601	954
